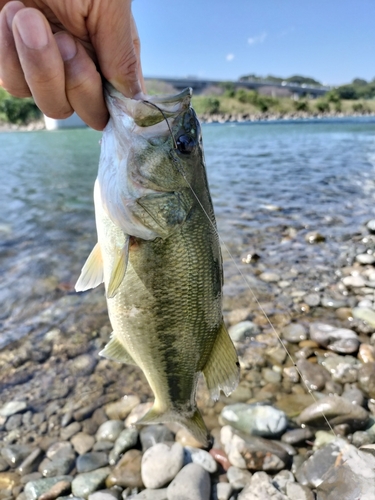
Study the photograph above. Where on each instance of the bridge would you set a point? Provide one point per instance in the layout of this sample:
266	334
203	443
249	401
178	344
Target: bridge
293	89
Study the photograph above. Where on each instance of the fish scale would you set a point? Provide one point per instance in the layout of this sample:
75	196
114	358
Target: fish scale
159	256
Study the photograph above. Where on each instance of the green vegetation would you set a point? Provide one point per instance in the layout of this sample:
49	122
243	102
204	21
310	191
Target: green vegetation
358	89
16	110
298	79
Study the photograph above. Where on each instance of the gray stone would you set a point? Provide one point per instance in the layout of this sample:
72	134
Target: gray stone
312	299
351	476
104	495
14	454
255	419
371	226
110	430
353	394
13	422
88	482
365	314
269	277
242	330
149	494
361	438
337	410
58	466
126	440
13	407
354	281
297	436
161	463
223	491
200	457
343	369
260	487
365	258
31	462
34	489
103	446
314	376
91	461
238	478
84	364
59	449
294	333
281	480
191	483
296	491
340	340
153	434
366	379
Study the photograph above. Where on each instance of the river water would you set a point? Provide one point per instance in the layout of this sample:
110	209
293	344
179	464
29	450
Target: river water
271	183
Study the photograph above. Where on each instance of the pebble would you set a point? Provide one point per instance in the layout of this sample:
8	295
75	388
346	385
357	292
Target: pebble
69	431
255	419
366	353
152	495
104	495
366	379
137	413
343	369
371	225
153	434
312	299
341	340
13	407
84	364
221	457
8	480
294	333
14	454
109	430
88	482
185	438
34	489
314	376
243	330
353	394
223	491
127	439
354	281
281	480
161	463
260	487
297	436
119	410
91	461
238	478
200	457
127	472
56	490
365	258
337	410
82	442
296	491
30	463
269	277
365	314
191	483
350	476
252	452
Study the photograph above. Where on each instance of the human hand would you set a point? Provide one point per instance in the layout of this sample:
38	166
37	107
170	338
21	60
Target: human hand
50	49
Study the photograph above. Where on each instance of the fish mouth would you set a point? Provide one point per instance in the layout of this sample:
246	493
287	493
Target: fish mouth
149	111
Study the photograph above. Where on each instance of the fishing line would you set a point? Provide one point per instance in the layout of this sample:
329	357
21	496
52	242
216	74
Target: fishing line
176	161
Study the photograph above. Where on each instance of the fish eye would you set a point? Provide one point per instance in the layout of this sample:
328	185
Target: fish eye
185	144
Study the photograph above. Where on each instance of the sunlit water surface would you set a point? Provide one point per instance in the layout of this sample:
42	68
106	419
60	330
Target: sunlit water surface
271	184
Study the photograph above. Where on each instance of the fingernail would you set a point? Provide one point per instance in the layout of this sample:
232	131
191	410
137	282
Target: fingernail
67	46
31	28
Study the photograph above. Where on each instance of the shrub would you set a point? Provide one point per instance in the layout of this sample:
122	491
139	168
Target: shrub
322	106
301	105
18	110
209	105
359	107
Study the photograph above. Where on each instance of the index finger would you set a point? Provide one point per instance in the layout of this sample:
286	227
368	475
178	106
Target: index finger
117	52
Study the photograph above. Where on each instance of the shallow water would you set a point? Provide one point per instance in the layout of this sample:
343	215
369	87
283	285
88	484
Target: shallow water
271	184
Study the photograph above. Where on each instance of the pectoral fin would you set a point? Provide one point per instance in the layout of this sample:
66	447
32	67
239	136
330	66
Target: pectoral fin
222	368
118	270
116	351
92	272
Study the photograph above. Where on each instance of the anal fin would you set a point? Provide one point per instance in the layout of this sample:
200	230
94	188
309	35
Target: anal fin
222	368
115	351
92	272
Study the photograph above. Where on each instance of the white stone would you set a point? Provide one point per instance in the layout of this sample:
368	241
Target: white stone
160	464
202	458
191	483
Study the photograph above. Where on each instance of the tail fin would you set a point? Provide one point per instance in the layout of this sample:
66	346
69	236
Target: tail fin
193	423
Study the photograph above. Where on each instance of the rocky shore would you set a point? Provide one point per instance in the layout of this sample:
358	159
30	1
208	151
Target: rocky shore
300	426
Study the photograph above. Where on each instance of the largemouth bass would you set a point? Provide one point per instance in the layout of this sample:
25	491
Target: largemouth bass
159	257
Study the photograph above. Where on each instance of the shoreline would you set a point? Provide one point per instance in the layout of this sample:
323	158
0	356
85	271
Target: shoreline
37	125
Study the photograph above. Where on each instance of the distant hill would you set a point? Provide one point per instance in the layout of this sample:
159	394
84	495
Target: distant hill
298	79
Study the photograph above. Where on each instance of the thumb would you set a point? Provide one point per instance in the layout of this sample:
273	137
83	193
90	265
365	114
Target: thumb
116	43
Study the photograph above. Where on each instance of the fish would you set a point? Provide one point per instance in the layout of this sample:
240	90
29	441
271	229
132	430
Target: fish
158	254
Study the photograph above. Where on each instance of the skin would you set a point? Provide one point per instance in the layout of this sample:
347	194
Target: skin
56	51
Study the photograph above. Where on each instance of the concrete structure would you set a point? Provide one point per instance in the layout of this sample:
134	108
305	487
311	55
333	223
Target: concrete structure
293	89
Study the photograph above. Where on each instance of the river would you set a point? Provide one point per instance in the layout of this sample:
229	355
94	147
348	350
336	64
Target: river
272	183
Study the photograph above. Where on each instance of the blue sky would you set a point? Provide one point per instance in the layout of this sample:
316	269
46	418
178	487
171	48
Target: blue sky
330	40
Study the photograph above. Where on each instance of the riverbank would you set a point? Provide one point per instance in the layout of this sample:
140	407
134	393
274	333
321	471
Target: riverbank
66	414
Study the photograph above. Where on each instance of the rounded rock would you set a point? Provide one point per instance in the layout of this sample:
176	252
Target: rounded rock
160	464
200	457
110	430
191	483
